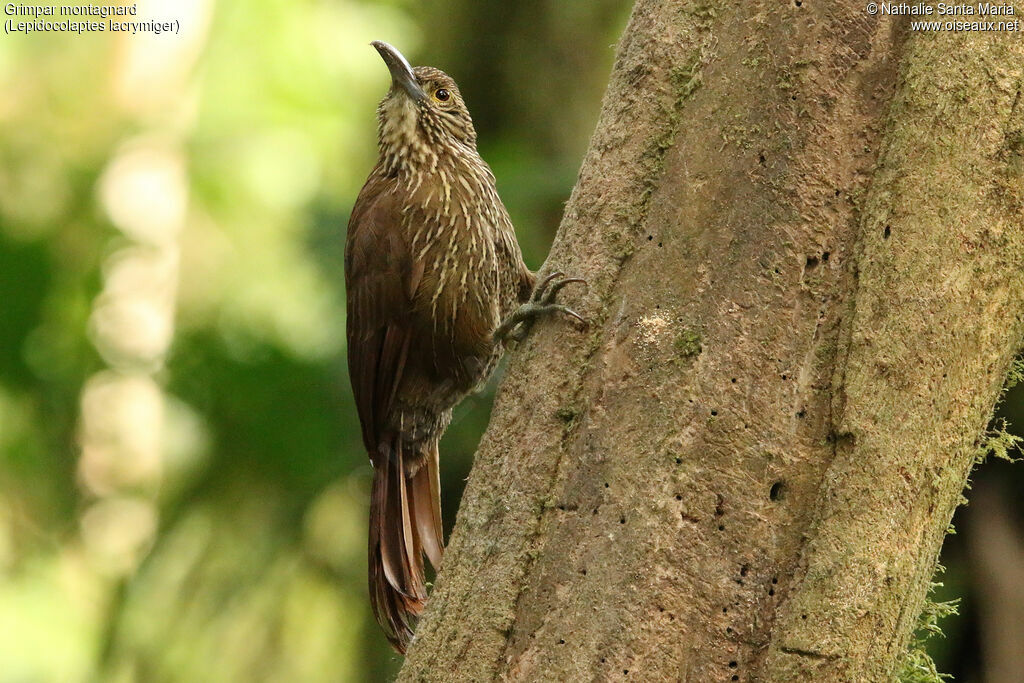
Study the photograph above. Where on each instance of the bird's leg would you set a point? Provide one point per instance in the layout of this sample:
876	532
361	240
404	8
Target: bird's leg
542	302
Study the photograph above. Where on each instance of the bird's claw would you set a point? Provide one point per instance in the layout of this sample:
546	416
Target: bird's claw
548	289
541	302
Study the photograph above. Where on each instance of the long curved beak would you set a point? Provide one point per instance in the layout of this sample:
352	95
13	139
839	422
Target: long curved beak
401	73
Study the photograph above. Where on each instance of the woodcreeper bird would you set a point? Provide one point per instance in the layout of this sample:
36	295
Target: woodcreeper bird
436	284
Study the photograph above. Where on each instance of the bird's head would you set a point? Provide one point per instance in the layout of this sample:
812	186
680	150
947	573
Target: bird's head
423	115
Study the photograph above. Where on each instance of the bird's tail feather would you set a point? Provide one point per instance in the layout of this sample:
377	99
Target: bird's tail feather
426	498
405	523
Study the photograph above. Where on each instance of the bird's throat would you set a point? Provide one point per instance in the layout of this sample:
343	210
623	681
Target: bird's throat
401	141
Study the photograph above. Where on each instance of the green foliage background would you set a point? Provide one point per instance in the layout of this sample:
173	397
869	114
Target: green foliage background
254	568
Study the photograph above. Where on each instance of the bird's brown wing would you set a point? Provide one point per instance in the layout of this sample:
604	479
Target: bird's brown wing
381	280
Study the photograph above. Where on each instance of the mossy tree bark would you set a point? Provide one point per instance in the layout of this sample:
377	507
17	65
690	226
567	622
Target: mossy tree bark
803	232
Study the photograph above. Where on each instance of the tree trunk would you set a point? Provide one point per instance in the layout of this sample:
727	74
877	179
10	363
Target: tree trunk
803	232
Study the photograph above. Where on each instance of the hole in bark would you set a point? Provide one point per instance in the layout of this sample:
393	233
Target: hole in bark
714	412
625	671
659	244
825	255
761	158
733	380
774	580
725	610
606	484
744	570
602	660
650	237
771	592
776	271
732	665
812	263
798	3
678	497
594	512
728	629
583	572
886	232
837	193
561	641
804	617
622	520
776	491
679	461
721	527
801	413
735	678
785	377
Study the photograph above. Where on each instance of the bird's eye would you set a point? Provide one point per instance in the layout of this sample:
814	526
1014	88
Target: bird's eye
442	95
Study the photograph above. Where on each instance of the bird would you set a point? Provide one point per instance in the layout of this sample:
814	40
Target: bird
436	287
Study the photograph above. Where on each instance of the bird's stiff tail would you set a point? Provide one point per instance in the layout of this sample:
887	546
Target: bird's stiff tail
405	524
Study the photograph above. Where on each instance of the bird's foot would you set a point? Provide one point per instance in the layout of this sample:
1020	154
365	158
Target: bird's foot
542	302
